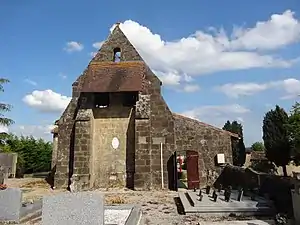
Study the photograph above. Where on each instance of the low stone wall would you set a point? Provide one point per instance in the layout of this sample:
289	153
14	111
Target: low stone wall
8	161
277	188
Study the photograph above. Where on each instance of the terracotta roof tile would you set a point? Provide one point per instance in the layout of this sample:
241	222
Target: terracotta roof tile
178	116
115	76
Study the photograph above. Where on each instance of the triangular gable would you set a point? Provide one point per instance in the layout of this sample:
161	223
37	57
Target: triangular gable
117	39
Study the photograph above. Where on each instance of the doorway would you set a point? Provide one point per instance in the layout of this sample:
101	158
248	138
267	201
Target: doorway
192	167
187	169
172	172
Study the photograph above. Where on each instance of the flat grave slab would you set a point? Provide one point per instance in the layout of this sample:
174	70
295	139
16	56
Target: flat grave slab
207	206
82	208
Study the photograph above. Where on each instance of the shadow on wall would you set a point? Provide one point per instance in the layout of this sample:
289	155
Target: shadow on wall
278	188
50	178
130	152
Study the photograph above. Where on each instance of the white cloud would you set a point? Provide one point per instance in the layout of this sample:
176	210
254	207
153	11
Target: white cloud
98	45
290	86
169	78
240	119
47	101
217	115
93	54
3	129
191	88
31	82
213	51
62	75
73	46
280	30
37	131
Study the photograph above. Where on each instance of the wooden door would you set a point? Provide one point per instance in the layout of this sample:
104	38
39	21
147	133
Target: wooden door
192	169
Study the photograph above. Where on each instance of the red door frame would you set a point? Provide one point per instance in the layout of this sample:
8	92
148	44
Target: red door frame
193	178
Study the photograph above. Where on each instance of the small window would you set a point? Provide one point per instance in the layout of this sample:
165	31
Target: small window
129	99
101	100
117	55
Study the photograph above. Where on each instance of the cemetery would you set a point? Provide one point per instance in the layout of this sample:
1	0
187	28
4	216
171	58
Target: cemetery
118	151
135	207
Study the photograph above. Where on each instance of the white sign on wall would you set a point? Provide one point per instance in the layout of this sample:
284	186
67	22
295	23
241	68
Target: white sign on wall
220	158
115	143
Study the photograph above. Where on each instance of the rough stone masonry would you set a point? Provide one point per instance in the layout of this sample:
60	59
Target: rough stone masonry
118	97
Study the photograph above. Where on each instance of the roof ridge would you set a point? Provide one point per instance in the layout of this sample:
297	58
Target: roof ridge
206	124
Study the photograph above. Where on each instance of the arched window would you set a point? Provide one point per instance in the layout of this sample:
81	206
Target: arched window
117	55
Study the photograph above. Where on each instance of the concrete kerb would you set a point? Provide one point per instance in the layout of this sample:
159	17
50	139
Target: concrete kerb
134	216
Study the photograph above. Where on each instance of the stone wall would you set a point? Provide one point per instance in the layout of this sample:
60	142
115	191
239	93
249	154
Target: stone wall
54	150
65	145
109	163
154	125
208	141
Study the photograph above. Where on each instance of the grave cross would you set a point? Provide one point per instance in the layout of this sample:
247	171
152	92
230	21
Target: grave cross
207	189
215	197
1	175
240	195
200	192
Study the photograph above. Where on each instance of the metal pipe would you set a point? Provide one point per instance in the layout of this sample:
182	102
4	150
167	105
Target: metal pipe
162	165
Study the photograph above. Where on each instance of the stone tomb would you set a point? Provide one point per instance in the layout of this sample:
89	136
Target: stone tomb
82	208
10	204
86	208
208	206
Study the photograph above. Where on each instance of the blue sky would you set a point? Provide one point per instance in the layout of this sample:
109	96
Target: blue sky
218	60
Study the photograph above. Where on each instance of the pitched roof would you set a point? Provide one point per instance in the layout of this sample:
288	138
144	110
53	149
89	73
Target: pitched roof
181	118
257	156
115	76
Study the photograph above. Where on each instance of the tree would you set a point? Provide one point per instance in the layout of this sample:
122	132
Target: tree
276	138
238	146
293	128
34	154
258	147
4	107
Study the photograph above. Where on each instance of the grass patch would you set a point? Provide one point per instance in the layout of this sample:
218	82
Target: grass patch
35	184
114	200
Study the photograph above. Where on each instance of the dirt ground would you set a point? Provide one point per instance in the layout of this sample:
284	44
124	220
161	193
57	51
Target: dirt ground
158	207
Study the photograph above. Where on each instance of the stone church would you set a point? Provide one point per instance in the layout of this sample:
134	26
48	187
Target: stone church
118	131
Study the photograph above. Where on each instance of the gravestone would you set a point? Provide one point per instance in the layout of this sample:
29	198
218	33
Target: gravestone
200	193
240	195
214	194
1	176
81	208
200	198
10	204
227	194
207	190
220	188
215	197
